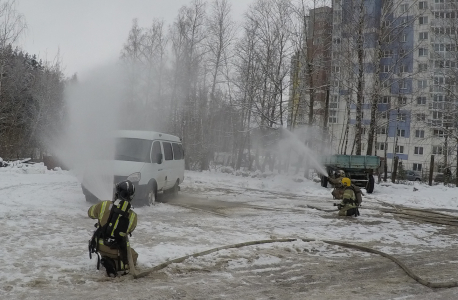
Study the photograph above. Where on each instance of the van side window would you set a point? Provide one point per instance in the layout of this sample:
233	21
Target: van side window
177	152
168	154
156	150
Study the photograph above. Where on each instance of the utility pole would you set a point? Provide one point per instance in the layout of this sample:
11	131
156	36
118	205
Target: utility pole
395	169
456	171
446	172
431	170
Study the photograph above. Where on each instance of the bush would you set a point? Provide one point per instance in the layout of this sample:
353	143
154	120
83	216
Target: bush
228	170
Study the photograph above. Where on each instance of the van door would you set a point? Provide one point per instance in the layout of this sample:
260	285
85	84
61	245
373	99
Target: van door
168	164
178	162
157	170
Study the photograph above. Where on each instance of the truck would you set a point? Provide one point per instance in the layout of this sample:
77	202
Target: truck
359	168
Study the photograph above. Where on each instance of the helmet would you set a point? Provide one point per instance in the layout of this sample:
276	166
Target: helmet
346	181
125	190
342	173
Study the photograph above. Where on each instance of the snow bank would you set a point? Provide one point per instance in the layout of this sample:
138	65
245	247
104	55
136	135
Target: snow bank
25	167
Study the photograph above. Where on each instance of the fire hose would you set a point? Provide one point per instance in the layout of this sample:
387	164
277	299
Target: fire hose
407	270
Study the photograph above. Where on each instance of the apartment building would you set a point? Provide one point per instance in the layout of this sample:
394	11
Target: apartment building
409	62
310	71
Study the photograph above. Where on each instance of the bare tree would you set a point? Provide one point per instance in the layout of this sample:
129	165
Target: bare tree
12	25
221	34
444	79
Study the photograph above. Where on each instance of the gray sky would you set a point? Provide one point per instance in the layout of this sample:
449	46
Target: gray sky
91	32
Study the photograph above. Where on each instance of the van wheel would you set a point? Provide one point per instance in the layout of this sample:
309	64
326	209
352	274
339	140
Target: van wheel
152	195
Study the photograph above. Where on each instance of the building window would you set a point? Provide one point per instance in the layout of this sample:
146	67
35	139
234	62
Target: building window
437	115
402	52
440	168
387	53
439	47
423	36
332	116
438	98
403	38
402	117
381	146
402	100
422	67
419	133
385	68
385	100
422	52
381	130
417	167
439	80
439	133
421	117
384	115
404	8
387	38
437	149
422	83
402	84
418	150
421	100
403	69
450	47
399	149
401	132
386	83
437	105
422	20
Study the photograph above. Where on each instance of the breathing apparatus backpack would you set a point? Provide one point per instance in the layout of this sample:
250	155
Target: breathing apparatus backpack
112	234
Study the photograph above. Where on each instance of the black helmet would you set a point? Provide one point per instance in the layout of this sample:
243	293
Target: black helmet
125	190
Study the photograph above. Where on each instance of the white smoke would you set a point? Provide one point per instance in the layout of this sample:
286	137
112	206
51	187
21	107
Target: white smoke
93	107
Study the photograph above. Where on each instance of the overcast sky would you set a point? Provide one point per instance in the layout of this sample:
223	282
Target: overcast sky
92	32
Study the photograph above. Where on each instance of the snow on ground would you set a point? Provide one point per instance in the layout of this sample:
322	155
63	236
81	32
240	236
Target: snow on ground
45	225
436	196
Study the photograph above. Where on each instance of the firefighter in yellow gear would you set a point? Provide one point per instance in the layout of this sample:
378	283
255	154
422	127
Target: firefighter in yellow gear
337	184
116	220
351	199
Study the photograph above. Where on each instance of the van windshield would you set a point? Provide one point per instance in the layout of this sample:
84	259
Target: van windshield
128	149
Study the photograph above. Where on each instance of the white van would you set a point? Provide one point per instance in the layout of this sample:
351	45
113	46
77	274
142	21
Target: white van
153	161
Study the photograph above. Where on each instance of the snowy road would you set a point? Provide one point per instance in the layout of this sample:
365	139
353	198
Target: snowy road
44	245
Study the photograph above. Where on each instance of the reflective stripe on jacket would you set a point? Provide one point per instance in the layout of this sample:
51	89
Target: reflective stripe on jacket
101	212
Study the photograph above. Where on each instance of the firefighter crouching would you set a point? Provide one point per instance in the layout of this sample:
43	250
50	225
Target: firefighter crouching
116	220
337	183
351	199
